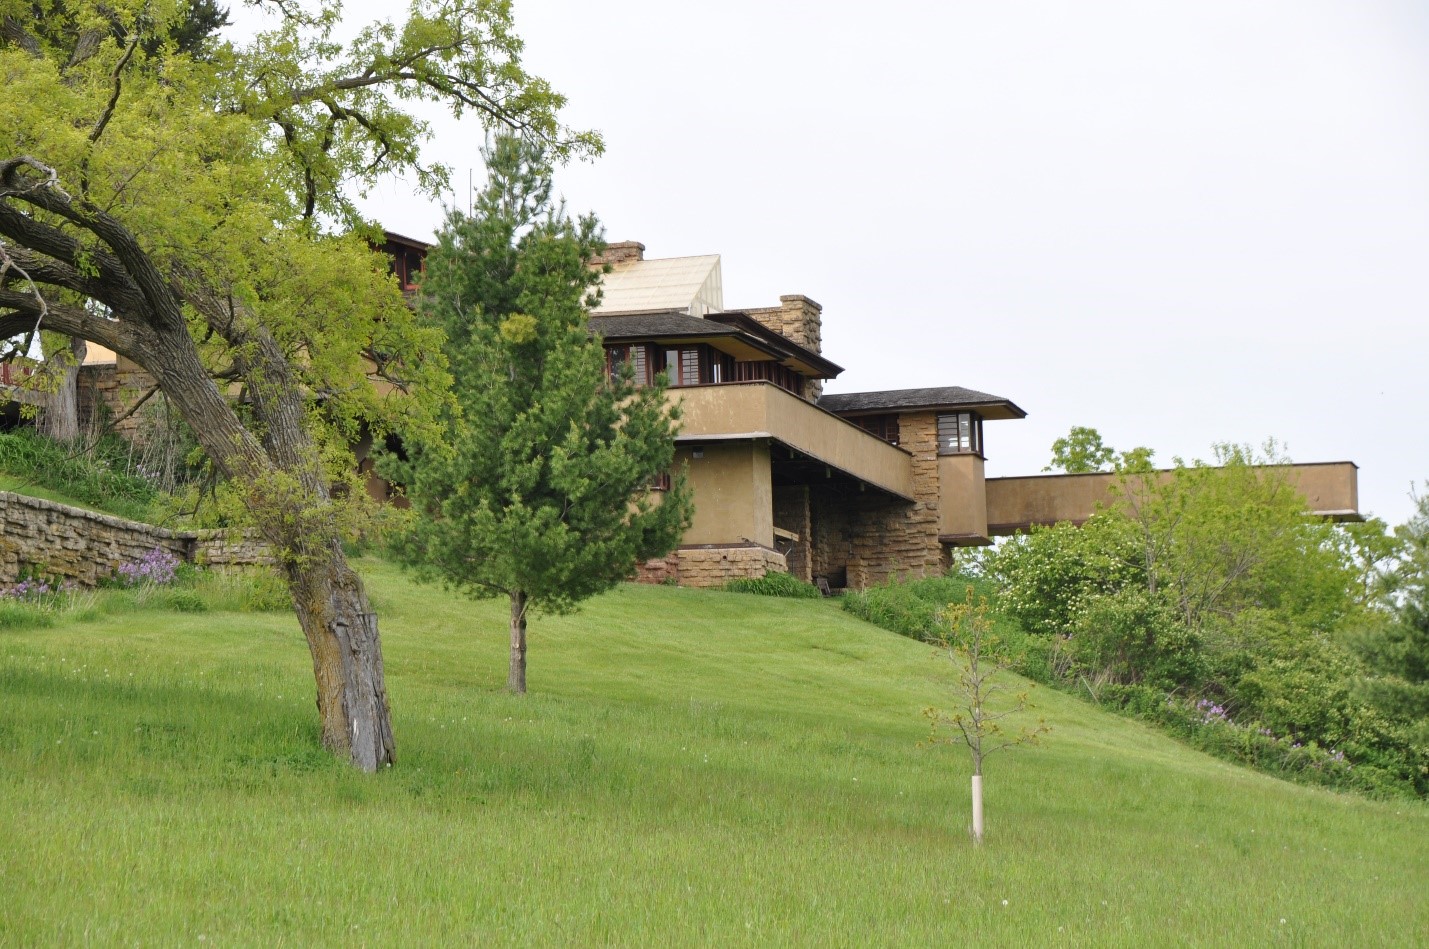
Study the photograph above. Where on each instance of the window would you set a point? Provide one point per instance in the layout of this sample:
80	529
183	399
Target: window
683	366
884	426
636	355
781	376
960	434
697	365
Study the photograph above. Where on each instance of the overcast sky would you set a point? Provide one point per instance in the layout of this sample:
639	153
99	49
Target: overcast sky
1179	223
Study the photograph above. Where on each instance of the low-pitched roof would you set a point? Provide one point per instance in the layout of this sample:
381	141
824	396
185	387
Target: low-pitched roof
664	325
903	400
739	335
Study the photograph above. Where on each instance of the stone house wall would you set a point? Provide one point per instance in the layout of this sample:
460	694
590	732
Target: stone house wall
56	540
116	387
869	538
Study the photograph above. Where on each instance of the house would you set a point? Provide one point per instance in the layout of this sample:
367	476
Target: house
853	488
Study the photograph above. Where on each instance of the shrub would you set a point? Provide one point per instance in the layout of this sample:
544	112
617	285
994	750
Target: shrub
158	567
914	608
774	584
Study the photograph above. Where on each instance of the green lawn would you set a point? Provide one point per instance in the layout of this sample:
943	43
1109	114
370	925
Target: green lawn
689	768
20	485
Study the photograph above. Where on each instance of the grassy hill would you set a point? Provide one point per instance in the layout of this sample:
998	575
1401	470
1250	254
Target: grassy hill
689	768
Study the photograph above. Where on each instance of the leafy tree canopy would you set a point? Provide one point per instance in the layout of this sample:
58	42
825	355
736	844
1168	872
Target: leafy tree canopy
189	206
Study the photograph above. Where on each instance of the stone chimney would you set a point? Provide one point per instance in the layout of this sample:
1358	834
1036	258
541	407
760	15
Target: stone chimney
799	320
620	252
796	318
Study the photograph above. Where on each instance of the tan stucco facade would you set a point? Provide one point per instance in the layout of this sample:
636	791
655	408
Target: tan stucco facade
962	499
1330	490
760	410
733	491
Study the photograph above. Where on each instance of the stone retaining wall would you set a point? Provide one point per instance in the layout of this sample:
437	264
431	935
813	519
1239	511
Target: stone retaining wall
712	566
56	540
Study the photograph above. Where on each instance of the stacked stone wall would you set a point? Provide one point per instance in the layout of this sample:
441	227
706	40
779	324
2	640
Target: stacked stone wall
791	513
115	386
660	570
704	566
872	538
56	540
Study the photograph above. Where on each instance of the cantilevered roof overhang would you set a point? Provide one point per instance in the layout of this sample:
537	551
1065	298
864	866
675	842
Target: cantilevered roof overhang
945	398
742	338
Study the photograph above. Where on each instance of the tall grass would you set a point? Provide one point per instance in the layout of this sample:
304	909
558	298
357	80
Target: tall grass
96	476
689	768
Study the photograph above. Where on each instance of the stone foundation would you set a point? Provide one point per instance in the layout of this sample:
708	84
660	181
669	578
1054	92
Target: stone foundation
59	541
709	566
661	570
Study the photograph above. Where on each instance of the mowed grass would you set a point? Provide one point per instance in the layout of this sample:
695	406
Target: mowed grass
689	768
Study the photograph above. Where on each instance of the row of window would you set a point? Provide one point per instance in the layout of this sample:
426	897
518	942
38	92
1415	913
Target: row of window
695	365
959	433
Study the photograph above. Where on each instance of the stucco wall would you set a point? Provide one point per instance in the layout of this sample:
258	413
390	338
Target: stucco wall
962	497
733	494
56	540
1331	489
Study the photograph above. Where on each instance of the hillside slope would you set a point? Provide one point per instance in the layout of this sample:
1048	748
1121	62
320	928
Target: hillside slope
690	767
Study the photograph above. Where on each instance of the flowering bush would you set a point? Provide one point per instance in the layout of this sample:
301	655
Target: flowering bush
34	602
35	590
158	567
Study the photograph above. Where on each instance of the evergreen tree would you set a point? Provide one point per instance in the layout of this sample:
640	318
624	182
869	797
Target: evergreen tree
537	488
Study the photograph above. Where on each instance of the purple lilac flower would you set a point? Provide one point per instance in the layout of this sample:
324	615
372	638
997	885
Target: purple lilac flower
157	567
26	590
1211	712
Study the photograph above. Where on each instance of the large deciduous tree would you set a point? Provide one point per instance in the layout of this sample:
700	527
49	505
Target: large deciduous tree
536	488
193	213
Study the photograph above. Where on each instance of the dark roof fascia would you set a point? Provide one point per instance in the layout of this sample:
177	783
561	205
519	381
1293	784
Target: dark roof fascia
394	238
918	400
659	325
785	346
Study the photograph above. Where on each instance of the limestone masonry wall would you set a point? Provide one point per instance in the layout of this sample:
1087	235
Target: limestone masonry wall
713	566
117	386
56	540
865	539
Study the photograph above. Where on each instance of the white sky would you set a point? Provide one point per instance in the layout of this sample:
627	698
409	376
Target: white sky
1179	223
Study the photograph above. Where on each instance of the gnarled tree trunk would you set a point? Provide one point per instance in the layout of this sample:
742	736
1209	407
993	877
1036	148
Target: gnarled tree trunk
145	319
59	415
289	499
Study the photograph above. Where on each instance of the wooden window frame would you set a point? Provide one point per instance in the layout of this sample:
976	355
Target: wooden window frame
972	445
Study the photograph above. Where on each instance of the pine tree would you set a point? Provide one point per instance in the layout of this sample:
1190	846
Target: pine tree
538	490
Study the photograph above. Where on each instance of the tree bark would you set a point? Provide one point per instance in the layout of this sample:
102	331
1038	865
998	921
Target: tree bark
59	416
516	679
341	631
288	498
